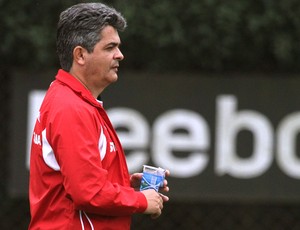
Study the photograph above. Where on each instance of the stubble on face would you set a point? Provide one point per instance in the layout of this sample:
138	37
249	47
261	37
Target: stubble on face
103	63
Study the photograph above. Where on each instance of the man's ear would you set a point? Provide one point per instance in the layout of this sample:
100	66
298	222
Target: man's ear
79	55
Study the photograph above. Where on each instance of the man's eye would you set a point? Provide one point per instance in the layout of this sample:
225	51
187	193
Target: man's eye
110	47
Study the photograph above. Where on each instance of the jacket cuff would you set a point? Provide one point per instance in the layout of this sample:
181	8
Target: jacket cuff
142	201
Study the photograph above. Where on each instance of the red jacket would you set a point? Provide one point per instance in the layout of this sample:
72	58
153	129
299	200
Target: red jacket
78	173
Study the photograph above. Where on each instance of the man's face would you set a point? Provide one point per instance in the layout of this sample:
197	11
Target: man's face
102	64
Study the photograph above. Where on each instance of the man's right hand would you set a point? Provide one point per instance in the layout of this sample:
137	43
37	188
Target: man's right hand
155	202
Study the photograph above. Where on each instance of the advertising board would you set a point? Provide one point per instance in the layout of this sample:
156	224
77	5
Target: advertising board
229	138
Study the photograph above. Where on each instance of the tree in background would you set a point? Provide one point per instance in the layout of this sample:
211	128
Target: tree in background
166	35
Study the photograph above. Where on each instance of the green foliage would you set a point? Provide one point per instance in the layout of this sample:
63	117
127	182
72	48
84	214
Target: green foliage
166	35
28	32
212	35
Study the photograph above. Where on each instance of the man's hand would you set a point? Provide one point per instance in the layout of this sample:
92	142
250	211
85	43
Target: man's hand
135	181
155	202
154	199
165	187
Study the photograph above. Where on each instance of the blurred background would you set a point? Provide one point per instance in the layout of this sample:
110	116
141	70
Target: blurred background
220	78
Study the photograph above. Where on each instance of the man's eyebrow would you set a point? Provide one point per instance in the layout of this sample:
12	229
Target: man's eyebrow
114	44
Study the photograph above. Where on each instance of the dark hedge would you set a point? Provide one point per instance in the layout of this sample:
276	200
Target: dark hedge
168	35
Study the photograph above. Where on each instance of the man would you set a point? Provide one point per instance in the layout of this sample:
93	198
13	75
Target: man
78	173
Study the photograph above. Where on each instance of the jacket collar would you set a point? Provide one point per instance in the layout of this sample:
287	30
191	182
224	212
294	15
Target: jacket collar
69	80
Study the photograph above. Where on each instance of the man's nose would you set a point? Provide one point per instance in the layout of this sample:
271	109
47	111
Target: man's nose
119	55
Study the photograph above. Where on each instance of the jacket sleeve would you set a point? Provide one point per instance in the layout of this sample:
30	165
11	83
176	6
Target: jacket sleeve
74	137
